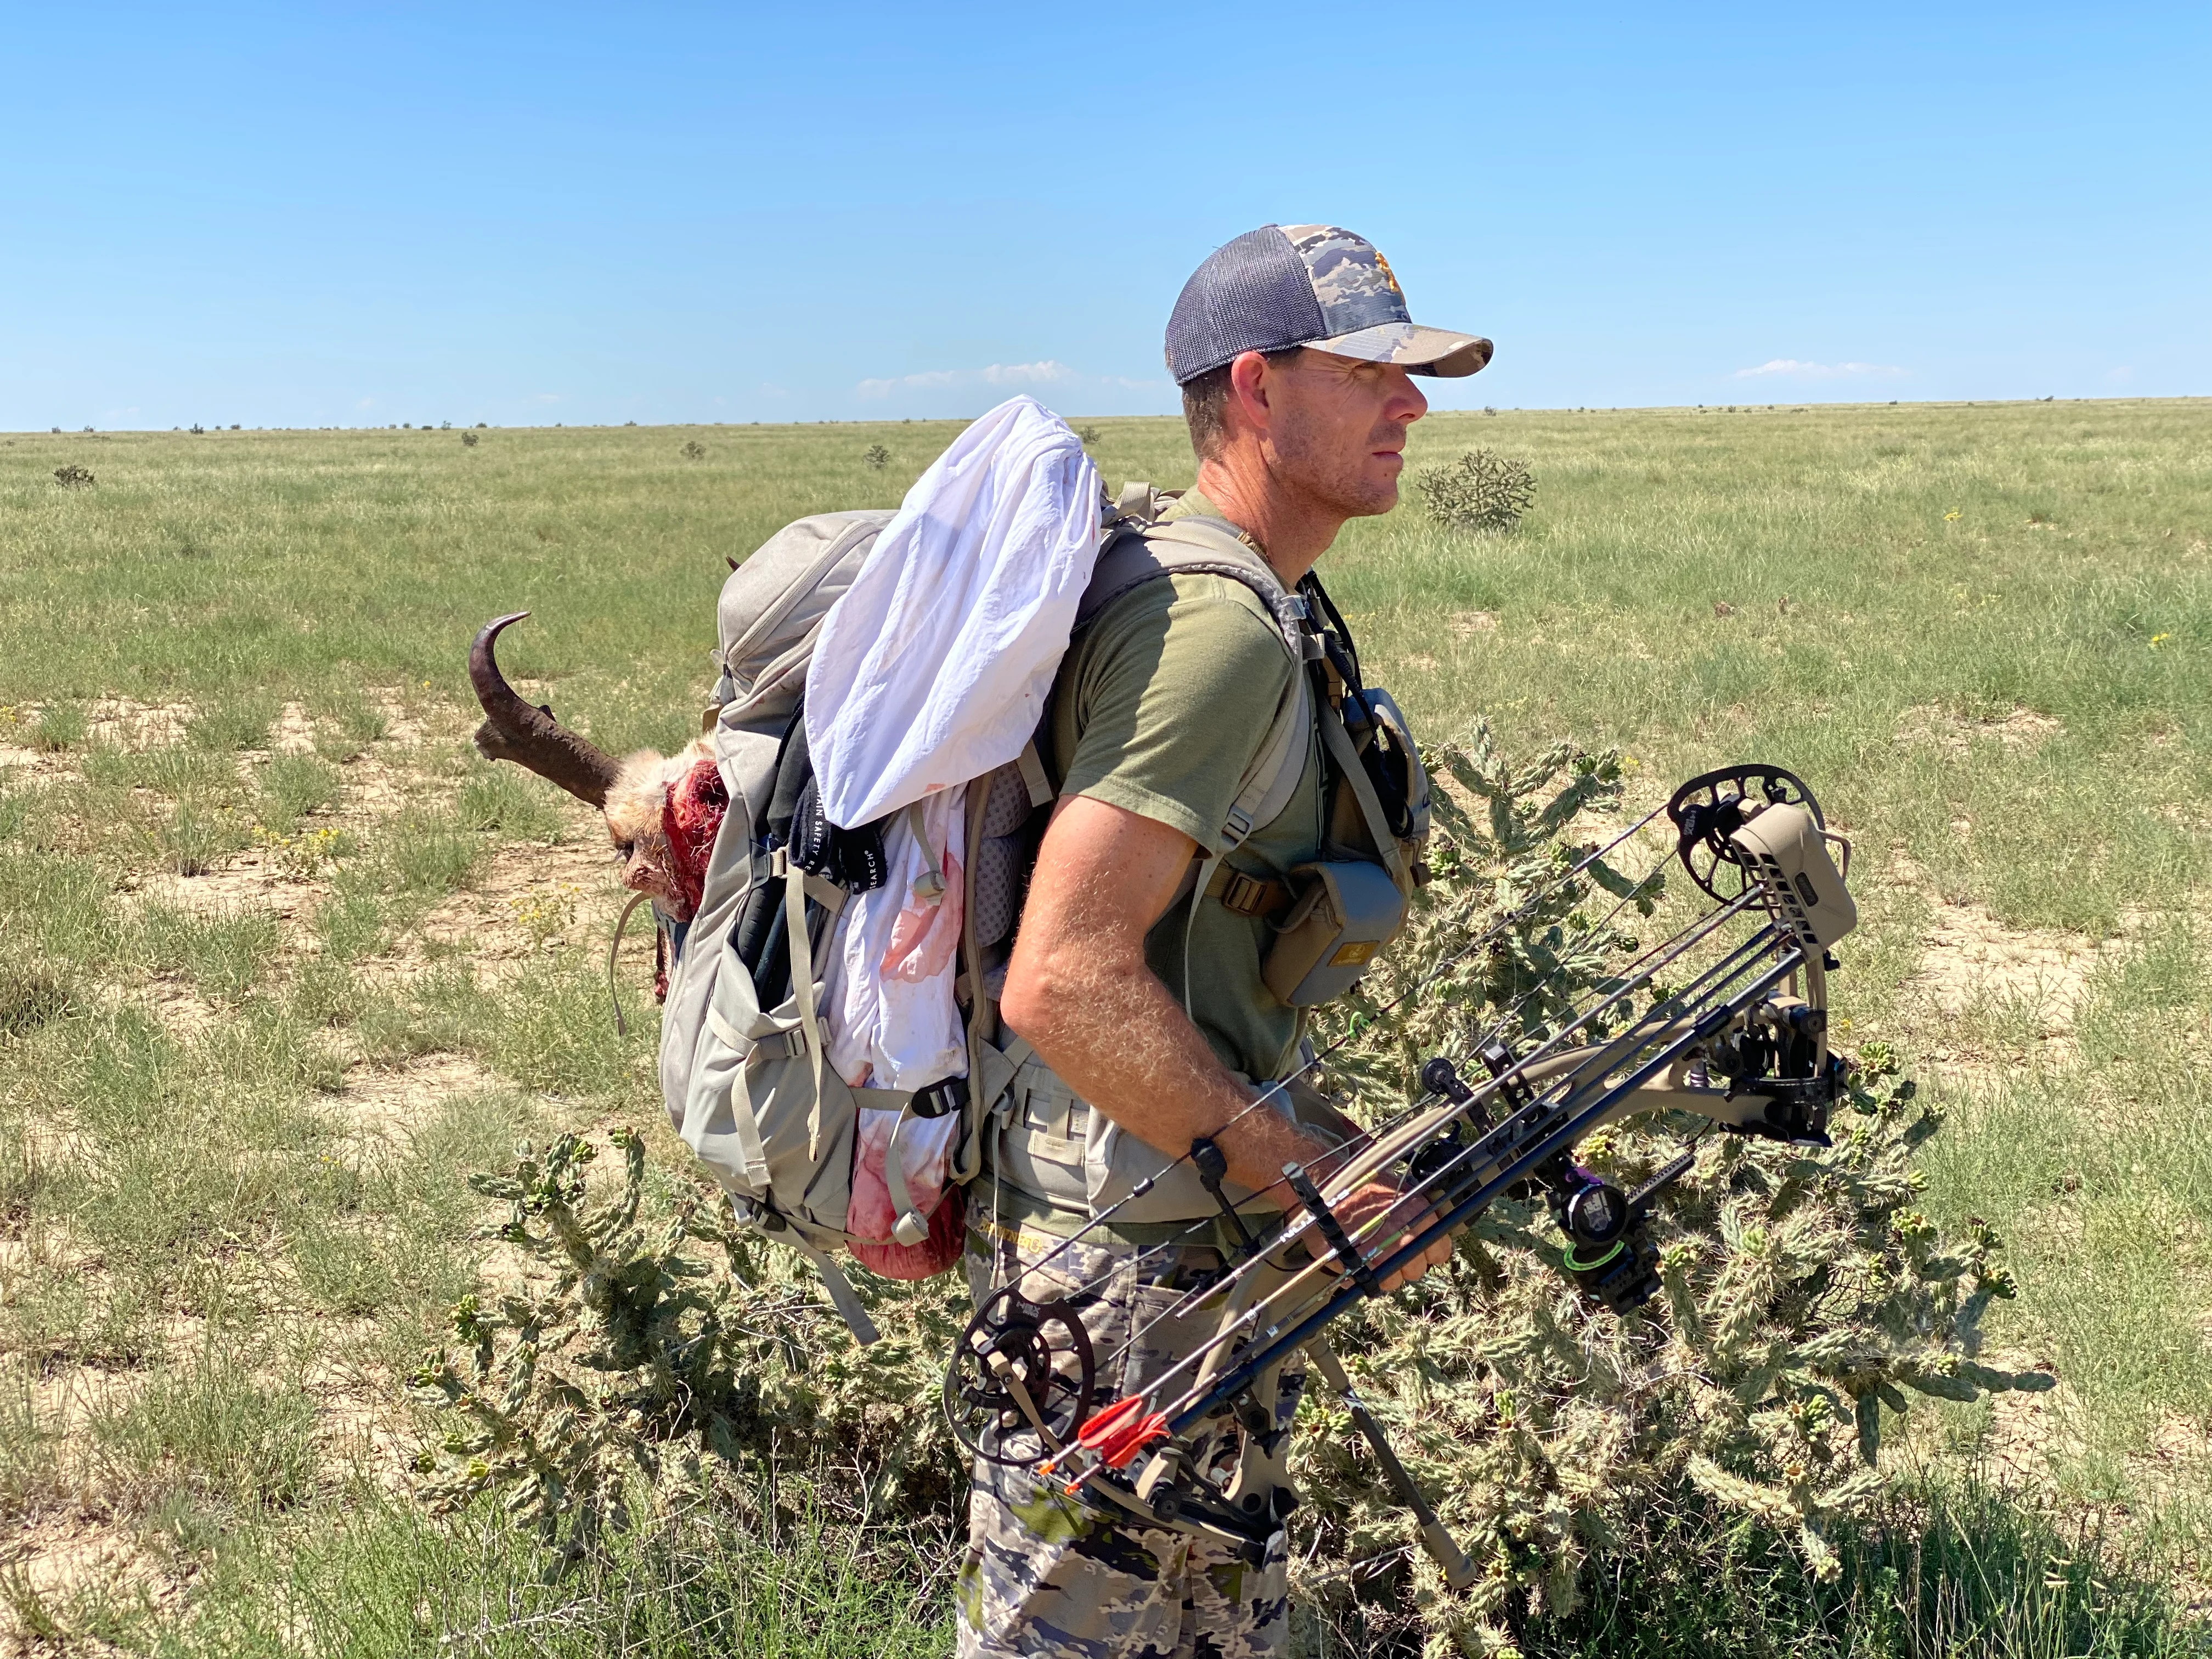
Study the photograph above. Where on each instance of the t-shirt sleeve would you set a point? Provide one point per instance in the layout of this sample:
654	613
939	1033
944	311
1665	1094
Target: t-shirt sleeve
1175	694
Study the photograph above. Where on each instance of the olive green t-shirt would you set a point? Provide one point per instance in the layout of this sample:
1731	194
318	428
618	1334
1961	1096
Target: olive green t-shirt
1160	705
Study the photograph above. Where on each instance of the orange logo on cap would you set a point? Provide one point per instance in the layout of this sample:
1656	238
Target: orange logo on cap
1388	275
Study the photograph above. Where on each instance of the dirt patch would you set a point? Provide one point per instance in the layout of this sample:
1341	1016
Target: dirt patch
374	789
534	897
2032	978
127	723
254	880
55	1559
2179	1458
362	1418
294	732
403	725
1926	723
2027	1433
390	1103
181	1010
20	757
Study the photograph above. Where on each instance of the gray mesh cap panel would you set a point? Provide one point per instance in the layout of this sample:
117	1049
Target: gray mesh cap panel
1294	285
1251	294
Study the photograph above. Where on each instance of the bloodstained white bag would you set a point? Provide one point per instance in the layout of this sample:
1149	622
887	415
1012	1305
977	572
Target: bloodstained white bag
933	667
887	985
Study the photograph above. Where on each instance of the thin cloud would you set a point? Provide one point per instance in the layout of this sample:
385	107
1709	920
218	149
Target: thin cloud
1046	372
1791	369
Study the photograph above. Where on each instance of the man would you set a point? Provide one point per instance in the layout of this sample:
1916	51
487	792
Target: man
1295	352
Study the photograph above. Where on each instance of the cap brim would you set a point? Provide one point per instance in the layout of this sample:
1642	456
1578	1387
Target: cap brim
1418	350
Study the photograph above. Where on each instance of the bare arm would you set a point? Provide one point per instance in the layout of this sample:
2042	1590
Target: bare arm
1080	991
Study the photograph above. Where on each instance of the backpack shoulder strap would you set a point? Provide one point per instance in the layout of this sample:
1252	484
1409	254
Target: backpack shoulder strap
1135	553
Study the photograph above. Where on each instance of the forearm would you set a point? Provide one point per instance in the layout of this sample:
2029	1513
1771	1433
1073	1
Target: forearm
1118	1038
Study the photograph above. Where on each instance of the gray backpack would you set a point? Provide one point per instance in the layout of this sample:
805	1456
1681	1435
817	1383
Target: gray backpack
746	1085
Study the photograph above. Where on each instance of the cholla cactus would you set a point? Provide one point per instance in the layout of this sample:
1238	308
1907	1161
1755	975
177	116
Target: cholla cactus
1507	863
1804	1292
625	1355
1480	490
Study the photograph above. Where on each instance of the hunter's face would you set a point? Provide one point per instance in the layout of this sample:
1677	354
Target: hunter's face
1338	431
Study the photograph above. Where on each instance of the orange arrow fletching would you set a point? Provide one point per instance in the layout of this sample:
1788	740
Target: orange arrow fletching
1117	1434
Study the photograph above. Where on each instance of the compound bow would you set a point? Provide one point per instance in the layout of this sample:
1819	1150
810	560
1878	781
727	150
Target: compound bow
1743	1044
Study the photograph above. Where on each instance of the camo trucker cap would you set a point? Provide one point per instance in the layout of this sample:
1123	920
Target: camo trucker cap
1306	285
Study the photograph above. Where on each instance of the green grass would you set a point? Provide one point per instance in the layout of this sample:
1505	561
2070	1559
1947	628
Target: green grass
1983	634
1945	1570
294	786
499	798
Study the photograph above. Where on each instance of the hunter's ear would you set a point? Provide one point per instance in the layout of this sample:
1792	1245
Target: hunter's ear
1251	389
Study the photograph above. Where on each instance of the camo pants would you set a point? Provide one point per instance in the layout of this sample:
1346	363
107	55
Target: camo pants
1048	1578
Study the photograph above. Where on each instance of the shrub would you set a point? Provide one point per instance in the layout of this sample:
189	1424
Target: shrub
1803	1290
1480	491
469	439
629	1355
693	450
877	457
1088	434
73	476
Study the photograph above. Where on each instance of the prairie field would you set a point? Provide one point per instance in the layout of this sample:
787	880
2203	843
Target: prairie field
282	963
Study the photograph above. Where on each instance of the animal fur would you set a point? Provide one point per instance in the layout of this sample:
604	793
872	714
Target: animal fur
661	814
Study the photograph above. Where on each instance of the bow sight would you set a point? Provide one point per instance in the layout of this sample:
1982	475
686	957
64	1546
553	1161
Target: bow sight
1740	1042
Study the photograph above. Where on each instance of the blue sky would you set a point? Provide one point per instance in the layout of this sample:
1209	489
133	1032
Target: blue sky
325	214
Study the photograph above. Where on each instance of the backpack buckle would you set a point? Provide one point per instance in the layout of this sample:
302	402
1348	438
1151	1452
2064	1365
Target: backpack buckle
946	1095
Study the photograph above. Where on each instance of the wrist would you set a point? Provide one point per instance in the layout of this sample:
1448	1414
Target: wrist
1257	1148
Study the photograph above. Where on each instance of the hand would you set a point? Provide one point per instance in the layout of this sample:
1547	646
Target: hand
1408	1214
